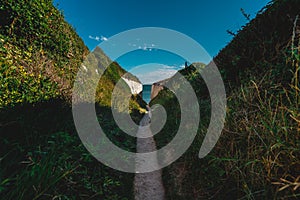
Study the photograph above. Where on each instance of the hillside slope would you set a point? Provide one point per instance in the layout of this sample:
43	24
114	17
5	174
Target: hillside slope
40	55
257	155
40	52
95	64
41	154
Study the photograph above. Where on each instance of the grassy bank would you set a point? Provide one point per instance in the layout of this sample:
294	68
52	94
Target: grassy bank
41	155
257	155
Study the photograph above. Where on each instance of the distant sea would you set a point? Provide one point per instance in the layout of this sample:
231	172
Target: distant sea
147	93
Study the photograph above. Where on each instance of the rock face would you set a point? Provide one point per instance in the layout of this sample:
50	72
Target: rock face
156	87
160	85
135	87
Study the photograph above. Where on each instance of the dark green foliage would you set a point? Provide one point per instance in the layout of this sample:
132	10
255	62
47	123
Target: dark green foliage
257	155
39	53
33	23
261	44
41	155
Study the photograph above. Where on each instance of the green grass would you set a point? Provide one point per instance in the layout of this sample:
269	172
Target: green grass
39	52
258	153
41	155
53	163
59	166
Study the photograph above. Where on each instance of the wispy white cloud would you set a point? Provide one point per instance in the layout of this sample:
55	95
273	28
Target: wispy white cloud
156	76
169	67
148	47
182	66
173	67
94	38
150	73
103	38
98	39
143	46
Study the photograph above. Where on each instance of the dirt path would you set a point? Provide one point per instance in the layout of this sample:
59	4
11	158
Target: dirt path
148	186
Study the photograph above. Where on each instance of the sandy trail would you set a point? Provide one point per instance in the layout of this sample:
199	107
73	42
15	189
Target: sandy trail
148	186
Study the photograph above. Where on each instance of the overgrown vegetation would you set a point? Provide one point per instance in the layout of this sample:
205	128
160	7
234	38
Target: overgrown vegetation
41	156
258	153
98	61
40	52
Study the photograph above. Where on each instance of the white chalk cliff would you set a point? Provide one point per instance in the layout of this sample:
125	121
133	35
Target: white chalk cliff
135	87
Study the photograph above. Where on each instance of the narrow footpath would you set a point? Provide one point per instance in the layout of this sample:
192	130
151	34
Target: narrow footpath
148	186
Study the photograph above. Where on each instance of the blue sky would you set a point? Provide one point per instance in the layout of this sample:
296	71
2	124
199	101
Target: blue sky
206	21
